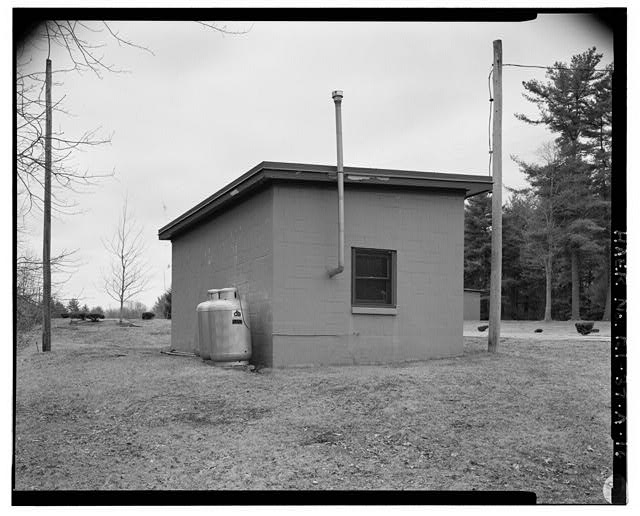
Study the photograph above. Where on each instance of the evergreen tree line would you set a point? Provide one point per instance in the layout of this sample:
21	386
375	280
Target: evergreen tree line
162	306
557	230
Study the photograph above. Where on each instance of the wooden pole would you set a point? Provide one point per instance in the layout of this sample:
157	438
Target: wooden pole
46	247
496	203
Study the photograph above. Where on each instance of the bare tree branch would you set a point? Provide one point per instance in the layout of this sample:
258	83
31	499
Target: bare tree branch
82	44
223	30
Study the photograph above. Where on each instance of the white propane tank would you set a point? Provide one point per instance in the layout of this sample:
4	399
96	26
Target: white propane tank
231	342
206	332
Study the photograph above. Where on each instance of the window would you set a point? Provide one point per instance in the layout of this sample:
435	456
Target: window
373	277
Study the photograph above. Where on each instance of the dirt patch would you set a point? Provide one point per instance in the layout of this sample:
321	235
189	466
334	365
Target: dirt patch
106	410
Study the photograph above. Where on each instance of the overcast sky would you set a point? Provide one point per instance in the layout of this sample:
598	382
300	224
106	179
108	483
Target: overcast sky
205	108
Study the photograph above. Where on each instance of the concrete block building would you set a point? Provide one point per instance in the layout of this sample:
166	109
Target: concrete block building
273	234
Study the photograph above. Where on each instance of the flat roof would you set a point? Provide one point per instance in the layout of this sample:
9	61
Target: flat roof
269	171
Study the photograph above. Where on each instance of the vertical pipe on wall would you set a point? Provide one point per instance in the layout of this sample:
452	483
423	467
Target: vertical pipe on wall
337	99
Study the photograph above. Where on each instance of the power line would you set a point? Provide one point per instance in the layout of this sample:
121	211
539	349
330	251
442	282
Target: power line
559	68
525	66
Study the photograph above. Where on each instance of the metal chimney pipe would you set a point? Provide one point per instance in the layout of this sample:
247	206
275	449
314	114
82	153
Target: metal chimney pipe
337	99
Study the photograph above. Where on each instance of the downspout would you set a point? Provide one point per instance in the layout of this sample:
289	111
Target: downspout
337	99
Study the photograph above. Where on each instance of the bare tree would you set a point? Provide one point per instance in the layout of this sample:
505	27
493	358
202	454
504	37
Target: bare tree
82	44
43	157
542	232
41	154
29	278
128	275
63	265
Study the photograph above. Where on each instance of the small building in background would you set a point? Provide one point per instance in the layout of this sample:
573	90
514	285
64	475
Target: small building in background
474	299
273	234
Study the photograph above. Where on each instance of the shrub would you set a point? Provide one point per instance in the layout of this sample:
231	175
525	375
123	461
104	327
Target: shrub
78	315
162	307
28	313
95	316
65	315
148	315
57	308
131	310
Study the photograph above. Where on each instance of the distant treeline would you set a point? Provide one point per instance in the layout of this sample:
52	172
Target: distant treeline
29	309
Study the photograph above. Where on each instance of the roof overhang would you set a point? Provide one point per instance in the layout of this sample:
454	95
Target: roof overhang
269	171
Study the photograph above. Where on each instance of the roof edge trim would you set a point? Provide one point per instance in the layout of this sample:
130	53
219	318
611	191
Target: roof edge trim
268	170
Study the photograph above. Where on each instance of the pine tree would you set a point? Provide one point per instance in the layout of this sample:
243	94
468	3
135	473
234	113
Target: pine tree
575	104
477	242
74	305
162	306
520	278
599	134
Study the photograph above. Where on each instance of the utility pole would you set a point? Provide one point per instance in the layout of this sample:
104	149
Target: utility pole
46	247
495	293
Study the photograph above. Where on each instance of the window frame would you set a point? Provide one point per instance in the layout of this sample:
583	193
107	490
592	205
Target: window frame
392	255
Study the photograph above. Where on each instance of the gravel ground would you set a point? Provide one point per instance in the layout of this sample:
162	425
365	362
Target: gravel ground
106	410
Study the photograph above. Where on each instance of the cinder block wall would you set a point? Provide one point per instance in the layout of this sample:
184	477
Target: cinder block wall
233	249
312	319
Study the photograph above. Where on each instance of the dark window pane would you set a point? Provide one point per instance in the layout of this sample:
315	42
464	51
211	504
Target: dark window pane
373	291
372	265
372	277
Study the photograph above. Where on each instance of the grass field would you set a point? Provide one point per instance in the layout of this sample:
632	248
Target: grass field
106	410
